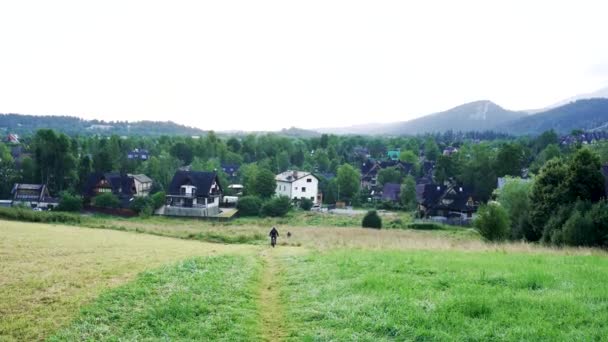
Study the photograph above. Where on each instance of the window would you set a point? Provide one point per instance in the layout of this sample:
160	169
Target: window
312	199
303	189
308	180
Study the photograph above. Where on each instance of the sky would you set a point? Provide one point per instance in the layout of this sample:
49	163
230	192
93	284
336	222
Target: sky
267	65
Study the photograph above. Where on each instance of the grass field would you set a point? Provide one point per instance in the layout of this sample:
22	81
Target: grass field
135	281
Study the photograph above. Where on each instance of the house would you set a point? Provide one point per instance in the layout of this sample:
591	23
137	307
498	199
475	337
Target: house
452	203
370	169
138	154
391	192
33	196
393	154
193	194
448	151
361	152
143	184
232	170
297	185
12	139
124	186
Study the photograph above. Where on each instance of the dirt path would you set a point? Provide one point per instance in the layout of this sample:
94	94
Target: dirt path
271	308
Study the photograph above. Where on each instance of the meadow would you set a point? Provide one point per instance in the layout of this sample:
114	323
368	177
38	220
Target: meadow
158	278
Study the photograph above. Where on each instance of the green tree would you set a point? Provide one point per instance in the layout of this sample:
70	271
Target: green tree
69	202
408	157
408	193
348	182
102	162
306	204
183	152
249	205
8	173
445	168
584	179
55	165
492	222
547	195
28	170
509	160
390	175
515	198
277	206
265	184
431	150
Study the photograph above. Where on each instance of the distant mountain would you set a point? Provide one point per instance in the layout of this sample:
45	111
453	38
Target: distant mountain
299	133
28	124
602	93
589	114
473	116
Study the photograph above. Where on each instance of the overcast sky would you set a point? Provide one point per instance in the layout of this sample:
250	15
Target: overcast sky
265	65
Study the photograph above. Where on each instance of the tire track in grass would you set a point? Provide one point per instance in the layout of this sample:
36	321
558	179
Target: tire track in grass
274	327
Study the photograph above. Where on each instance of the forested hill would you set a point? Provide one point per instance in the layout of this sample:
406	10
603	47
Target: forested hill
586	115
28	124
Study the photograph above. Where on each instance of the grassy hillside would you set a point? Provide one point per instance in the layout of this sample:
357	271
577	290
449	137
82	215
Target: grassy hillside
322	283
47	272
446	296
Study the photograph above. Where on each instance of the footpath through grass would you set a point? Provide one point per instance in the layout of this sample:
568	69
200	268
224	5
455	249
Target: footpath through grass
202	299
446	296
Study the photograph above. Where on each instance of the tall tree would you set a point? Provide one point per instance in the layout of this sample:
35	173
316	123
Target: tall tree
265	183
408	193
509	160
348	182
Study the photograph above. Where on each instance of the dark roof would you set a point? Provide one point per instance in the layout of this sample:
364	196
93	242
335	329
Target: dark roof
202	180
228	166
121	184
391	192
40	190
435	196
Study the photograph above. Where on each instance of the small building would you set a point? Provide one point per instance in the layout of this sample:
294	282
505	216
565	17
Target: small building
12	139
370	169
193	194
231	169
33	196
138	154
124	186
453	203
393	154
448	151
391	192
297	185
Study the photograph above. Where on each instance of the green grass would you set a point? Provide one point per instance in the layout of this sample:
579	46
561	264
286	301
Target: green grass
430	296
203	299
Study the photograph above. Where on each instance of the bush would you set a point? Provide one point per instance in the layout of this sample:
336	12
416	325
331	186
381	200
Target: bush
492	222
424	226
371	220
158	199
106	200
69	202
305	204
141	204
276	207
28	215
249	206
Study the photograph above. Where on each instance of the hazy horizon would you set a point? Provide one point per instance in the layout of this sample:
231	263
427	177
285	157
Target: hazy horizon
269	65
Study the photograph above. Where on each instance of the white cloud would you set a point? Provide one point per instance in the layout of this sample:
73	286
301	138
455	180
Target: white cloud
273	64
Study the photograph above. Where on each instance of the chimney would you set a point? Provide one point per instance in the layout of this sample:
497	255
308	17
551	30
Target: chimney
295	174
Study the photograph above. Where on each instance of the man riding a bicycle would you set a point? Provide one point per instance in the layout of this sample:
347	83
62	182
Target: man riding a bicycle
274	233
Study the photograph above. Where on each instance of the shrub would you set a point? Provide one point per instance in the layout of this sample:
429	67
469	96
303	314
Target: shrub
276	207
371	220
249	206
424	226
578	230
599	217
492	222
106	200
158	199
28	215
305	204
69	202
141	204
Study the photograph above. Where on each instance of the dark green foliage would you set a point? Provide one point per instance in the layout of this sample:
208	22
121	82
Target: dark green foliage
578	230
183	152
141	205
424	226
431	150
492	222
371	220
69	202
305	204
348	182
548	194
265	183
106	200
509	160
515	198
249	206
28	215
408	194
584	180
276	207
158	199
389	175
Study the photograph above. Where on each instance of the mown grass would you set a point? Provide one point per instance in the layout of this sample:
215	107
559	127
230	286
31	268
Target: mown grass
203	299
446	296
48	272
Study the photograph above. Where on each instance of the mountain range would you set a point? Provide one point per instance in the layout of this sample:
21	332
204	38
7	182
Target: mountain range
585	111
